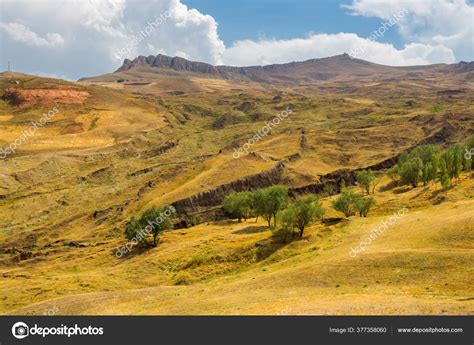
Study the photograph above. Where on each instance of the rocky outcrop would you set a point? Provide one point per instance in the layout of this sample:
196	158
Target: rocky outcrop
30	97
213	198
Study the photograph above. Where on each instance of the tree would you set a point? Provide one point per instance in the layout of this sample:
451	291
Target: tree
411	172
269	201
393	173
157	219
468	165
302	212
238	205
366	180
346	203
442	166
444	180
132	228
343	184
426	173
470	142
435	159
256	202
364	205
458	152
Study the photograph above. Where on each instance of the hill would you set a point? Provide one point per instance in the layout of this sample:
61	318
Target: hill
105	149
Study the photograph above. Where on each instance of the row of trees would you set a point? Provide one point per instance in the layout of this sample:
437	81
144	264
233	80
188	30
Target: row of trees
272	203
426	164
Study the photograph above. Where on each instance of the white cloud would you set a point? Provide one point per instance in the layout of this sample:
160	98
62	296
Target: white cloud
86	35
446	22
21	33
91	32
249	52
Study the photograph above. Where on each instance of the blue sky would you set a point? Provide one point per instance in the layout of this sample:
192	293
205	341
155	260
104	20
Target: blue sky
75	38
284	19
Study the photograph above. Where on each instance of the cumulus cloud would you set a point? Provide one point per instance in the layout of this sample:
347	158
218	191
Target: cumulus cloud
262	52
90	33
445	22
21	33
93	37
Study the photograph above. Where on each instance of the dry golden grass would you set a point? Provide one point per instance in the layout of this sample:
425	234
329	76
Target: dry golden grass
67	193
423	264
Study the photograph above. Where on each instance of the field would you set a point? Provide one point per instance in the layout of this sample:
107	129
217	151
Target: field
113	150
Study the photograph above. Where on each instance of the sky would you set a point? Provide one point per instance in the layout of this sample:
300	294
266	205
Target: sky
71	39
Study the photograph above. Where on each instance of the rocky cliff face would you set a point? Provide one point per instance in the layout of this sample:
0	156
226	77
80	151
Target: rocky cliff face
207	205
180	64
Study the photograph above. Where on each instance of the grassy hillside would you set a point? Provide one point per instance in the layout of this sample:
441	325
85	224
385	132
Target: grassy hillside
67	192
422	264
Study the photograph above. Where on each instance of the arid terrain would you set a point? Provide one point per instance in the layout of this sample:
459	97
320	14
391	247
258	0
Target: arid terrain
164	130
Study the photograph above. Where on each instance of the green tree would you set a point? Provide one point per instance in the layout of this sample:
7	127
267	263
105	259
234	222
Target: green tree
470	142
157	219
458	153
366	180
363	206
393	173
411	172
426	173
269	201
435	161
343	184
302	213
442	166
132	228
468	165
238	205
346	203
444	180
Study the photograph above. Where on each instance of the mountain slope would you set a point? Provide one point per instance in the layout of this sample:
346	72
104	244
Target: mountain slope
295	73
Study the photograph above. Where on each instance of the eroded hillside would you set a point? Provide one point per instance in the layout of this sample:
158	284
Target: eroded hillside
107	153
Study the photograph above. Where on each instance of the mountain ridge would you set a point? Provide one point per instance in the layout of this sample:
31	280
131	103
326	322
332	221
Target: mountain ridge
338	68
